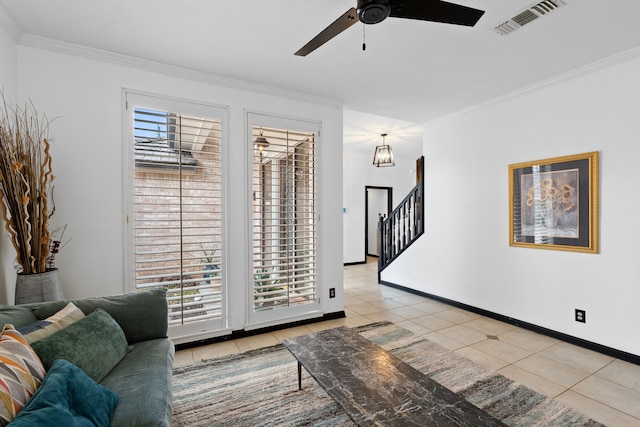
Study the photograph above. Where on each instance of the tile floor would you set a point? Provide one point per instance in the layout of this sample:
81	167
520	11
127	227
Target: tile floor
604	388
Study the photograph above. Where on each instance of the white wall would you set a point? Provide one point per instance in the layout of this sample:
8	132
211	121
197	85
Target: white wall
9	52
85	93
464	254
358	173
8	87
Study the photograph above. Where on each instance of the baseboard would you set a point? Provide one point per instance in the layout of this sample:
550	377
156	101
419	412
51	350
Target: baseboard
609	351
244	333
354	263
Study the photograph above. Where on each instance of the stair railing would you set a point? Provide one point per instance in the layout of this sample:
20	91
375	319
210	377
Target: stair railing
402	227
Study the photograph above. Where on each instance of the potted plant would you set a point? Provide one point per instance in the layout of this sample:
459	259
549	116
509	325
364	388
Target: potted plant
208	260
266	289
25	186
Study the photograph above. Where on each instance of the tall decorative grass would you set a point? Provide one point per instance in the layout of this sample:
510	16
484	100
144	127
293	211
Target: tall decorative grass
25	183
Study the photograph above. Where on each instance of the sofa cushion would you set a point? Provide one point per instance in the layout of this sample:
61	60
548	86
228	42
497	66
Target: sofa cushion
95	344
68	397
17	315
21	373
142	315
43	328
143	380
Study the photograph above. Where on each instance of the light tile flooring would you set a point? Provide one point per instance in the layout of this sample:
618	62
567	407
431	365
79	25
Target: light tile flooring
604	388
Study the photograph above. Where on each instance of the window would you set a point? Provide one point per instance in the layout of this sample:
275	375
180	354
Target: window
284	219
157	142
176	217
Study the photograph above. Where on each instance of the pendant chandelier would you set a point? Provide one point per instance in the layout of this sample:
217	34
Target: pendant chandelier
383	155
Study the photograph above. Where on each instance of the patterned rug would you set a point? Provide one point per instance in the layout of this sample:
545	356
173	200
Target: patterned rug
260	388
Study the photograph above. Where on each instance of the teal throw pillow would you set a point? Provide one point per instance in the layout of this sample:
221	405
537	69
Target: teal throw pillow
95	344
68	397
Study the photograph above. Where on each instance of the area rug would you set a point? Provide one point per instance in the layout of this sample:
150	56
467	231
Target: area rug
260	388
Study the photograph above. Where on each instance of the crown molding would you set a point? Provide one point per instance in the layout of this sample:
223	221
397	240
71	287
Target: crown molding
72	49
584	70
9	25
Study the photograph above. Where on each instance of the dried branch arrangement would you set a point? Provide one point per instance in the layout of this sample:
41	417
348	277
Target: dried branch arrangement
25	181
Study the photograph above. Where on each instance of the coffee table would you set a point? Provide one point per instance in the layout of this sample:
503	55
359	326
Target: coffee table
376	388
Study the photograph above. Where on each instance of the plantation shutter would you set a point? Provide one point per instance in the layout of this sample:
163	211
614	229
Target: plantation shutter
178	213
284	218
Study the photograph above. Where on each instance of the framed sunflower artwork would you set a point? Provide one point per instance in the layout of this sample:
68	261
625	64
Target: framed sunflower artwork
553	203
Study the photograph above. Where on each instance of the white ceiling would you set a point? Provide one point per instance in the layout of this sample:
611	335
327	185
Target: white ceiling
362	132
413	71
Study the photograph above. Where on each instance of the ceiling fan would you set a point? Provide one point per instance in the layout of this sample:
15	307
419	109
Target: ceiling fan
375	11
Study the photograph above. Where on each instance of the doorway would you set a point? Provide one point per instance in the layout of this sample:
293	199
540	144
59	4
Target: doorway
378	201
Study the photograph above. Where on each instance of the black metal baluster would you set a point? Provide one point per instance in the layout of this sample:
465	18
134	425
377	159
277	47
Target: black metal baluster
410	233
397	234
389	224
404	224
415	210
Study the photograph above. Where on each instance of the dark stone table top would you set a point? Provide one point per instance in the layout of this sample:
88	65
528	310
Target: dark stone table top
375	388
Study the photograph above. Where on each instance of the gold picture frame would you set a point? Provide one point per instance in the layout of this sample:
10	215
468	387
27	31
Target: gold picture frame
553	203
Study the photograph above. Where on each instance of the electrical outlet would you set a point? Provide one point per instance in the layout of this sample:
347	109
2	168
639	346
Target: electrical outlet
581	316
332	292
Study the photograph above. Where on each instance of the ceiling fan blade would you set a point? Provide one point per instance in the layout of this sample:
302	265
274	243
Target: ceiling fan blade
349	18
436	11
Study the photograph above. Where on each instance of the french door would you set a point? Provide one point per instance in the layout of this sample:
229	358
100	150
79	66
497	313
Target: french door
175	216
284	223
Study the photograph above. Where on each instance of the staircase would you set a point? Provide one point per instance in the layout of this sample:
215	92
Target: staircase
404	225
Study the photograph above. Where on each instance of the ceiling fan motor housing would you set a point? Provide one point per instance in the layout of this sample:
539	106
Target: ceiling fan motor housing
373	11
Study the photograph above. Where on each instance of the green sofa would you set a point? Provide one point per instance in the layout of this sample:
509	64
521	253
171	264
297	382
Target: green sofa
142	379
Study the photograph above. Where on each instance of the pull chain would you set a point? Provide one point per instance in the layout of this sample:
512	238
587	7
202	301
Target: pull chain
364	41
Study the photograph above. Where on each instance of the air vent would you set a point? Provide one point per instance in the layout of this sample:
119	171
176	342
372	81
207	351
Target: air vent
532	13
